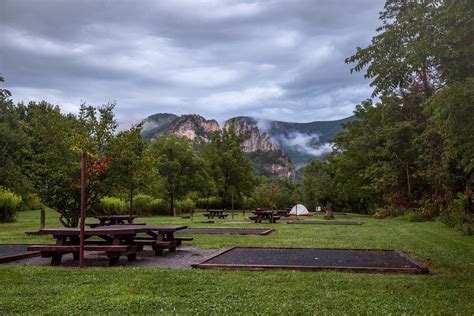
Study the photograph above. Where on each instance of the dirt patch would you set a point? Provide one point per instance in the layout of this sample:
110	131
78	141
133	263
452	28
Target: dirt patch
240	231
354	260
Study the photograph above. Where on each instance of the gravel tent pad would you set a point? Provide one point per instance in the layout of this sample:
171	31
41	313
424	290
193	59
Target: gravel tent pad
353	260
240	231
326	223
14	252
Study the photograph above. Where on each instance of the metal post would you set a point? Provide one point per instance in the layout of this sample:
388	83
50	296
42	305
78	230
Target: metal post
83	209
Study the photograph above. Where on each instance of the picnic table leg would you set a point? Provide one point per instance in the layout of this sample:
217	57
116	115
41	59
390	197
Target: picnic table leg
113	256
170	236
57	256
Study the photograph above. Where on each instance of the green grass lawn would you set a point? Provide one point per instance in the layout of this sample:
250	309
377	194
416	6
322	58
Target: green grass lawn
448	290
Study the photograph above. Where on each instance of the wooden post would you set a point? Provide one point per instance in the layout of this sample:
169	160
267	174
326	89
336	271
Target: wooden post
83	209
273	197
232	204
42	217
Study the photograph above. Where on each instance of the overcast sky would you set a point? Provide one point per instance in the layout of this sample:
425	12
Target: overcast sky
273	59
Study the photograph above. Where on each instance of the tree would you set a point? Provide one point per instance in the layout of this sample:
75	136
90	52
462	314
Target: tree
174	160
13	146
230	168
128	165
54	160
4	93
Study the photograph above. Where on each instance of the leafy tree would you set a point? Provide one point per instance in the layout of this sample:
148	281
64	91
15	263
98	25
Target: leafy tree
128	164
54	160
13	146
230	168
174	160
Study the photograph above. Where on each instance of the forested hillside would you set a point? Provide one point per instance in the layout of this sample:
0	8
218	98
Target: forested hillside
412	151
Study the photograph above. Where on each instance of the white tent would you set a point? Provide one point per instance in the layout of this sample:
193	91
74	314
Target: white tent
299	210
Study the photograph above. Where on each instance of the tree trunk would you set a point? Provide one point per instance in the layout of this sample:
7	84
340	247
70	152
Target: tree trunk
130	206
408	181
173	210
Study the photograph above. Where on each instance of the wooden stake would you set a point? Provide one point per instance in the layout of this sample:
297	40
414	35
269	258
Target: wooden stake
83	209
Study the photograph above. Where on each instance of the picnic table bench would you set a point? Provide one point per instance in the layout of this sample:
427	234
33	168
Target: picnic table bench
115	241
284	213
216	213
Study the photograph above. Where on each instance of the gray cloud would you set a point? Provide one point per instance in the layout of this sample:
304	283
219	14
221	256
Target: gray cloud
273	59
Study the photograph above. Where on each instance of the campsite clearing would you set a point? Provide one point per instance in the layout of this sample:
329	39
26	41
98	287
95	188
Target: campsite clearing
448	290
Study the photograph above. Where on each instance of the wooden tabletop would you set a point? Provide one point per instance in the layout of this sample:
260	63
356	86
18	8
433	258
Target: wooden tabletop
110	230
115	216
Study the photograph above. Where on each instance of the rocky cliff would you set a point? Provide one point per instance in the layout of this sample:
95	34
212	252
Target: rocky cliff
194	127
255	140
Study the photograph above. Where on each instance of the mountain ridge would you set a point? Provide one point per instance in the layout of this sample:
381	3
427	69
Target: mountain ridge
274	146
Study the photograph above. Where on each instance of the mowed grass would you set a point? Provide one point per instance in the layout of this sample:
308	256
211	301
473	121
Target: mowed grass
448	290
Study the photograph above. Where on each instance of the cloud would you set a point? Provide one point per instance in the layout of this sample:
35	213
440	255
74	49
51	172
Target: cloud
304	143
280	60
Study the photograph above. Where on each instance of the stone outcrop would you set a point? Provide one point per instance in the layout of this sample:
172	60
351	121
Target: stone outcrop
194	127
270	158
255	140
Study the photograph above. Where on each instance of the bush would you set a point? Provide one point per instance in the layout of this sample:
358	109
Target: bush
9	205
147	205
415	216
159	207
457	215
31	202
214	203
112	205
389	211
185	206
142	203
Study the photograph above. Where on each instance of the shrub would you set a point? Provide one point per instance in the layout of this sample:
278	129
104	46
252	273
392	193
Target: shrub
381	213
214	203
9	205
457	215
147	205
112	205
142	203
185	206
31	202
415	216
159	207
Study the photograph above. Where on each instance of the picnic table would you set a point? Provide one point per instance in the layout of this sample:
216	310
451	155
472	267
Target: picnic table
114	240
263	215
216	213
115	219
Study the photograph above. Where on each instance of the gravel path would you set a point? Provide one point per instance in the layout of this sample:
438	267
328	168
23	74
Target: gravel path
183	258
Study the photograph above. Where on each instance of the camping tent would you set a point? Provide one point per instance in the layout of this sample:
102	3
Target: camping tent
299	210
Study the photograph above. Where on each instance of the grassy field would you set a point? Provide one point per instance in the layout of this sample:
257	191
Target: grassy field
448	290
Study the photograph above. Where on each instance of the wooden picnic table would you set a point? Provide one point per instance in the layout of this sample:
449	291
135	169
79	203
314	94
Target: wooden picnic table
115	219
216	213
115	240
260	216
